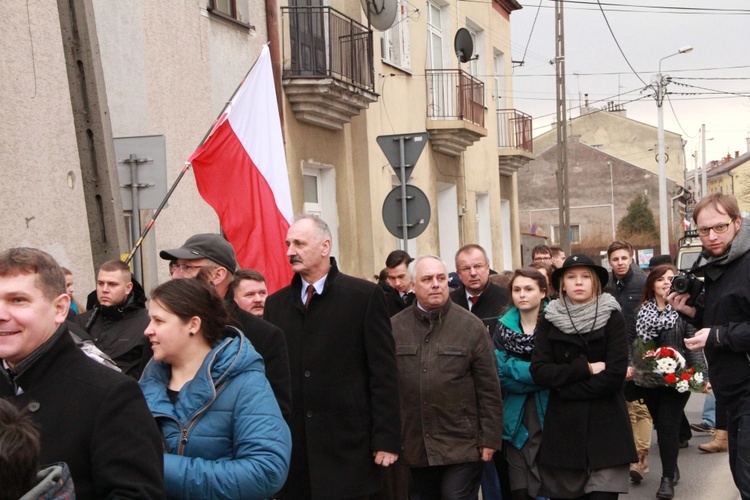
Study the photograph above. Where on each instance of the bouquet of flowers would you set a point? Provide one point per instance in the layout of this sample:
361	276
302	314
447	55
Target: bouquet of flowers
665	366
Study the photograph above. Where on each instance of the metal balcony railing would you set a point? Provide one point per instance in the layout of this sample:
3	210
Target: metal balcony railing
514	130
453	94
322	42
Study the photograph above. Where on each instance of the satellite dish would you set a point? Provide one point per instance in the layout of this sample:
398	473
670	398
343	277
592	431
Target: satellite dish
381	14
464	45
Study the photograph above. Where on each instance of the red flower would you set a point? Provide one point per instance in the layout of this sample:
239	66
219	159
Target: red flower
692	371
685	376
670	378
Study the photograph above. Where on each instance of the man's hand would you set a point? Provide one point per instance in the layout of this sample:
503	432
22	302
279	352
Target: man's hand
486	453
698	341
677	301
384	458
629	373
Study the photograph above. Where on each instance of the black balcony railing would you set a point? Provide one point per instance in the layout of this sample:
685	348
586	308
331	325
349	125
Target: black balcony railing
453	94
323	42
514	130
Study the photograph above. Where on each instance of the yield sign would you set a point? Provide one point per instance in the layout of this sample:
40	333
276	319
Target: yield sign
413	144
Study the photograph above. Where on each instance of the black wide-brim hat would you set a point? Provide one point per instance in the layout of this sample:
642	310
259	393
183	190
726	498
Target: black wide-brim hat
579	260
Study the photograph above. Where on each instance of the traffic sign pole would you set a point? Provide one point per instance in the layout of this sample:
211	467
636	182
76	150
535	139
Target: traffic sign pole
402	165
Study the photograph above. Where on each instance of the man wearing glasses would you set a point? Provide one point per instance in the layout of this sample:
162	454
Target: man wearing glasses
724	319
216	255
486	300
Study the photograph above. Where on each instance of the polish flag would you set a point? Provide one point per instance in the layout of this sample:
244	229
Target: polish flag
241	171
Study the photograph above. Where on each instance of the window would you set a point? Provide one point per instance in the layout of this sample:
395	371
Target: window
236	10
319	187
394	43
434	36
575	233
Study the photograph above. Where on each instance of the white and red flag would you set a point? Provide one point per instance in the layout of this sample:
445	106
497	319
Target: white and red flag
241	171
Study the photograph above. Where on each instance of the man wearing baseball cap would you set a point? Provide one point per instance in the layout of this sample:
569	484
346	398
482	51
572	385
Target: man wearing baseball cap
215	254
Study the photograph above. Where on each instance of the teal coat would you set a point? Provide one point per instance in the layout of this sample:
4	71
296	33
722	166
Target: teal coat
517	385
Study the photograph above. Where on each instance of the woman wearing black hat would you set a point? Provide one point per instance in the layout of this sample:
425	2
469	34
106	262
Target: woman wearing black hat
581	353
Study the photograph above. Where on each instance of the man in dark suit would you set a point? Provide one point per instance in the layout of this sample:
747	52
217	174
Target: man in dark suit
89	416
486	300
345	421
401	296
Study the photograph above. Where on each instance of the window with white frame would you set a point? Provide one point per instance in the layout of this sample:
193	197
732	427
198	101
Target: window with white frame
319	188
434	36
394	42
575	233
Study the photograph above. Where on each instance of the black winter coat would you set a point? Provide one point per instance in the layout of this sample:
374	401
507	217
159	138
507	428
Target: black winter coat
345	400
92	418
395	303
586	425
119	331
269	341
727	313
628	292
492	303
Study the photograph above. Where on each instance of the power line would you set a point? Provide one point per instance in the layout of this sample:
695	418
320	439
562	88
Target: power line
618	43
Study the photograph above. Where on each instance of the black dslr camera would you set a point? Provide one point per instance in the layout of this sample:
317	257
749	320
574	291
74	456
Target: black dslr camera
687	282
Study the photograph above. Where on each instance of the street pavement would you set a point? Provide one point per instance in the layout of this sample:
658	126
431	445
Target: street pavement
704	476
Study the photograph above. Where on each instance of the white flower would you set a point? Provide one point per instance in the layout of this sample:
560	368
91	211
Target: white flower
665	365
698	378
682	386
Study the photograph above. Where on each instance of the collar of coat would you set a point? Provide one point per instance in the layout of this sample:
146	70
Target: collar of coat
332	275
436	316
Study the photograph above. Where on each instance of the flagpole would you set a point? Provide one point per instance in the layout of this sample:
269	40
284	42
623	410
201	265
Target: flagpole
185	168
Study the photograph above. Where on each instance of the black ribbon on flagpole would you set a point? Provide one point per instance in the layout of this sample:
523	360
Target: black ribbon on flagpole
185	168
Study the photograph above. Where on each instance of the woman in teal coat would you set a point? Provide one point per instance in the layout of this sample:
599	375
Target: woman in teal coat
224	435
524	402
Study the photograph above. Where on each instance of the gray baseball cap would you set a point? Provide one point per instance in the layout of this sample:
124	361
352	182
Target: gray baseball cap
207	245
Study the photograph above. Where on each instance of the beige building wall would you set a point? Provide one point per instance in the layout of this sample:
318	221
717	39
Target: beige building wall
363	176
41	197
627	139
167	71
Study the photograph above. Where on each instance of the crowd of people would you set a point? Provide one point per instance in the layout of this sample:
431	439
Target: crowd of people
525	384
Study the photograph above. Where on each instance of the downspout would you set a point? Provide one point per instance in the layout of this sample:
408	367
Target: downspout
274	47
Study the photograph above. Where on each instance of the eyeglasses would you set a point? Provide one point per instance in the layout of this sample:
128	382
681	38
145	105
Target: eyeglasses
476	267
718	228
542	258
184	268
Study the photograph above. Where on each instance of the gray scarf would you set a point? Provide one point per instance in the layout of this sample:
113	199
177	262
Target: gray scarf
583	318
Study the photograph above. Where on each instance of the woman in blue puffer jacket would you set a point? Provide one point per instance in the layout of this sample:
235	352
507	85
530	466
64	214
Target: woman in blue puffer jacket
524	402
224	435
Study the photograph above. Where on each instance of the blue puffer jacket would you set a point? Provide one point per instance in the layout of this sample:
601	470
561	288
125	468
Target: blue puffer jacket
225	436
516	383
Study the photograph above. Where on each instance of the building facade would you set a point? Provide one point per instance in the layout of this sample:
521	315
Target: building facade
168	71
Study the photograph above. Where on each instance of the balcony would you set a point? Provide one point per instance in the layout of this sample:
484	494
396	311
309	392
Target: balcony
455	110
327	58
515	145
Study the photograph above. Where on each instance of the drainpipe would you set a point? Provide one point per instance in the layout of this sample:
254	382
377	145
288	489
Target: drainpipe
274	47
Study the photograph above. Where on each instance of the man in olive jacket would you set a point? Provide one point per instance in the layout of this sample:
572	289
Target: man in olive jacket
345	419
450	389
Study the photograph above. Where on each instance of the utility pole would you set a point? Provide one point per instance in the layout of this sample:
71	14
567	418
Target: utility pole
93	130
704	178
562	131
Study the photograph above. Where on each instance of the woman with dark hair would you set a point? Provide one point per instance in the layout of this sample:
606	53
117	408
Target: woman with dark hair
581	352
524	402
546	270
656	321
224	435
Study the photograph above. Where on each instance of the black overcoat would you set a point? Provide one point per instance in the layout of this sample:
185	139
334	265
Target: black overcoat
345	400
586	425
91	417
492	303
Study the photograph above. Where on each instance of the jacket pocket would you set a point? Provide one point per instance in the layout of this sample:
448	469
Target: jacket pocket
406	358
452	359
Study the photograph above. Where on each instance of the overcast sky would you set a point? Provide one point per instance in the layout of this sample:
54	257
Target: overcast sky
647	30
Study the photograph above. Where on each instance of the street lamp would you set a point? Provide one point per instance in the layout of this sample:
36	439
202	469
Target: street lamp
661	85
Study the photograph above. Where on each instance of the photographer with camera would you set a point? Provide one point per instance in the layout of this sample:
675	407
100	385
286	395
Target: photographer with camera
724	318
